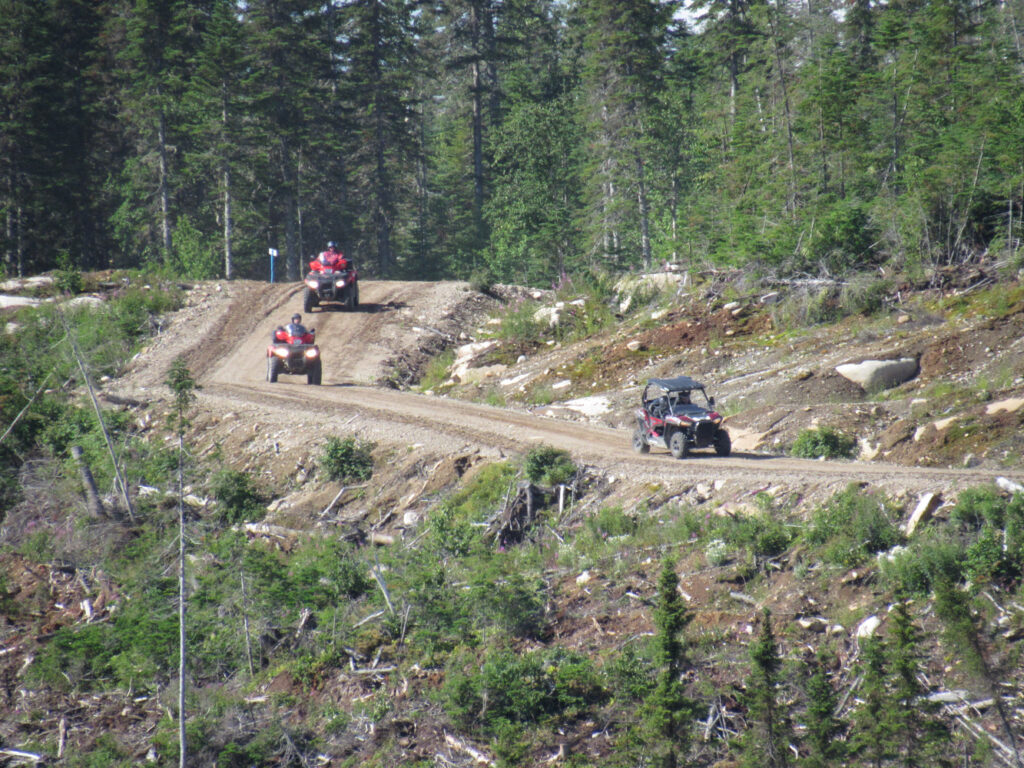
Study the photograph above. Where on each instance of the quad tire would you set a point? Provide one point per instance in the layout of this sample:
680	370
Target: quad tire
273	368
309	300
351	299
678	445
640	442
723	445
355	296
314	373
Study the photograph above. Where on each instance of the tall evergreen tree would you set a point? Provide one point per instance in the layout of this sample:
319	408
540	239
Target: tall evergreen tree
766	740
381	61
623	65
154	41
823	726
668	712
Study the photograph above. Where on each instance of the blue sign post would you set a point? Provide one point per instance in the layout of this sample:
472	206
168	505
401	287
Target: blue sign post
273	255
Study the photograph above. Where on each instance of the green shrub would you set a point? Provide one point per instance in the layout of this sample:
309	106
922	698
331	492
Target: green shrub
853	525
67	277
347	459
823	442
548	466
763	535
612	521
933	555
237	495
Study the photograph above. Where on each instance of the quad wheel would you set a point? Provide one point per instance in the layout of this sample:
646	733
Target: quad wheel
678	445
309	300
723	445
352	298
355	297
640	442
314	373
273	368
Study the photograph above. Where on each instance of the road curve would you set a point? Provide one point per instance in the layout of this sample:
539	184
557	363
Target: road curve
354	345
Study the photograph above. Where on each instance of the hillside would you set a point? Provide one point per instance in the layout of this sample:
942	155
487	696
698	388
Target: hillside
597	550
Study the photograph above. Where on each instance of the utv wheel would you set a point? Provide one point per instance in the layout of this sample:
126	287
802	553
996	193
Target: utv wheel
723	445
273	368
639	442
678	445
314	373
309	300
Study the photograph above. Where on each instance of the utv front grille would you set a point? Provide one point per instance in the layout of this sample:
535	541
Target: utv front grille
704	432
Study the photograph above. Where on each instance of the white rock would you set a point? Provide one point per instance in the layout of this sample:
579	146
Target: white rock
867	627
583	578
563	384
879	374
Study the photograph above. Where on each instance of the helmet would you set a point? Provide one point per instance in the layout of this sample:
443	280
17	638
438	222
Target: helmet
296	318
332	245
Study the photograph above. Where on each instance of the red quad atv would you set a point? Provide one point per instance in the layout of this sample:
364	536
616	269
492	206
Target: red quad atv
293	350
668	419
325	283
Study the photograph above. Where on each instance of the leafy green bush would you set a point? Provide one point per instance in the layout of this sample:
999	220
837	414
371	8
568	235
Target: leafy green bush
549	466
931	556
612	521
537	687
347	459
853	525
237	495
823	442
763	535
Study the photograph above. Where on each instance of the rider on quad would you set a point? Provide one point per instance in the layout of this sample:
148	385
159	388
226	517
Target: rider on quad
293	350
332	278
294	332
332	257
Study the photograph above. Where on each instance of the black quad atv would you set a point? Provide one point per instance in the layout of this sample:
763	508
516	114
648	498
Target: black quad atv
667	418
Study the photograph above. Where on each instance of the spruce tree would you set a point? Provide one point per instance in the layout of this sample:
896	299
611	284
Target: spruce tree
668	712
765	743
824	728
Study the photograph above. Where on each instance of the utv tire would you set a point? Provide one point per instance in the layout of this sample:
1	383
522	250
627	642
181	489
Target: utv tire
678	445
314	373
309	300
723	445
273	368
639	442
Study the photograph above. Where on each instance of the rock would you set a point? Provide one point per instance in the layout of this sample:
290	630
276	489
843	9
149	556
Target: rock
731	306
1010	406
926	505
814	624
551	315
803	374
521	359
583	578
867	627
563	384
1009	485
658	314
771	298
874	375
902	319
633	345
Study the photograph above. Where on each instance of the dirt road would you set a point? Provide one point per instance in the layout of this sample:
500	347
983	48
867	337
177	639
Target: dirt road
396	317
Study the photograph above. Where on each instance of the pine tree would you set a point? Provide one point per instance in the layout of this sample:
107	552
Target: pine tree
873	728
766	740
668	712
623	64
381	63
823	726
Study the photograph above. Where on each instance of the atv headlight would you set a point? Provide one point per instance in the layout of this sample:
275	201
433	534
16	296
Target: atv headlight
281	351
311	353
312	284
340	283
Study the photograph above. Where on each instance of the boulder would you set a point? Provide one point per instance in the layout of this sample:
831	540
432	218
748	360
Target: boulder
927	504
874	375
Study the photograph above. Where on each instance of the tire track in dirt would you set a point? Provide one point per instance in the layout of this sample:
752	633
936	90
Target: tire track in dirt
355	346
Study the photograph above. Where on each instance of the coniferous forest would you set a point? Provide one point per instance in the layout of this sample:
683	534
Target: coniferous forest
511	140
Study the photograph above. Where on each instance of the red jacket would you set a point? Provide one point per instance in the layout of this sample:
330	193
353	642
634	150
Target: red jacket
334	259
